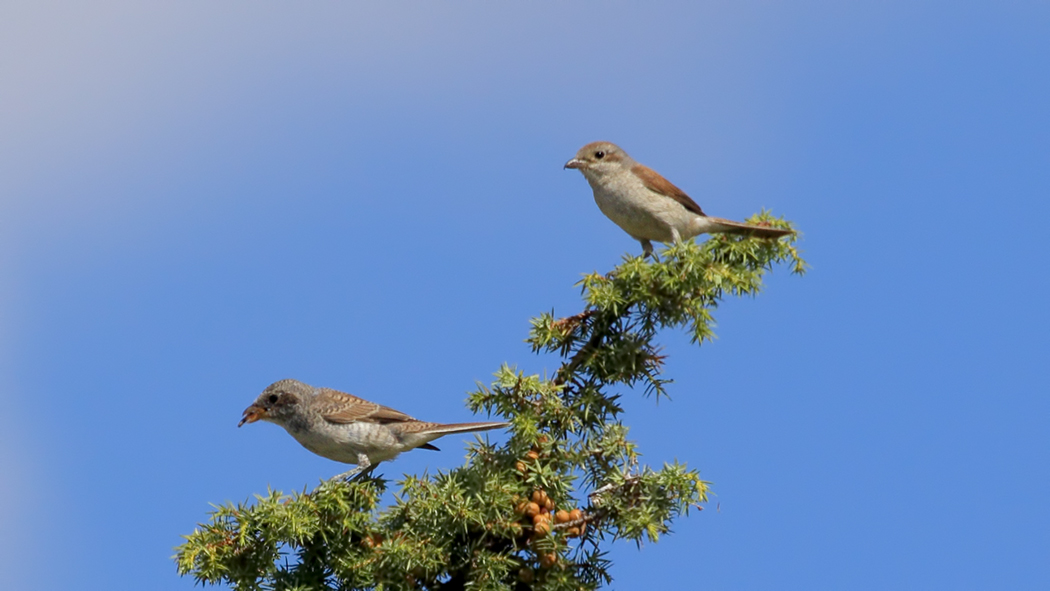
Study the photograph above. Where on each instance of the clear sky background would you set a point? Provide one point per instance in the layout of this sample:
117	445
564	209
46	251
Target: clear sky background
200	198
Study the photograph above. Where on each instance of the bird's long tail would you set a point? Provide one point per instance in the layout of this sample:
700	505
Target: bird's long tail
465	427
435	430
723	226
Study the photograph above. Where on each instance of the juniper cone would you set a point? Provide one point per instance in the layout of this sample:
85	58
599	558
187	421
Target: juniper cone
646	205
345	428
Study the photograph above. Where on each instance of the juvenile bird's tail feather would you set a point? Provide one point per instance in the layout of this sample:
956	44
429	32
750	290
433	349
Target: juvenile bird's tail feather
465	427
435	430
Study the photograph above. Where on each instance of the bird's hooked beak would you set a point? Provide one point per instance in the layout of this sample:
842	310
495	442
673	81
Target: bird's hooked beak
251	414
575	163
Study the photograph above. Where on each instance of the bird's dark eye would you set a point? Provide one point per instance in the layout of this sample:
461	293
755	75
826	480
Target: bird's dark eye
599	154
272	398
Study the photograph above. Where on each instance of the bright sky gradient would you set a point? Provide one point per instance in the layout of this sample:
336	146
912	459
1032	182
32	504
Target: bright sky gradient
200	198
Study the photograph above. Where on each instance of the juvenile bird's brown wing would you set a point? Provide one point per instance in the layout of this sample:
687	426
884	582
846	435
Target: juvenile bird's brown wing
654	182
340	407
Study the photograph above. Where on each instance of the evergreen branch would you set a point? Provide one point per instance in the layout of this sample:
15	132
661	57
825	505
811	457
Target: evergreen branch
512	515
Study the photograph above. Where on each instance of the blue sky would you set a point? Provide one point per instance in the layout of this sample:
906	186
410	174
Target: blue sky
199	198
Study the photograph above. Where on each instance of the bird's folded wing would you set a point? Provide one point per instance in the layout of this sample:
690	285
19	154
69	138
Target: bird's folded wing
340	407
654	182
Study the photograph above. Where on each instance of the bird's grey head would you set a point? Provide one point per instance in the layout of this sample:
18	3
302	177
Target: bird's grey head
600	158
277	403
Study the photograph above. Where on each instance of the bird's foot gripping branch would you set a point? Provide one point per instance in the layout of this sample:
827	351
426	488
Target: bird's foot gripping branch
537	511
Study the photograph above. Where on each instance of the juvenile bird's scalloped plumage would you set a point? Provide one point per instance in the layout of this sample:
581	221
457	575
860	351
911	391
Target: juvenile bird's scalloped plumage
340	407
645	204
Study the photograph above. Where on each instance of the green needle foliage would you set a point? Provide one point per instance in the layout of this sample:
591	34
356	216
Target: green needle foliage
538	511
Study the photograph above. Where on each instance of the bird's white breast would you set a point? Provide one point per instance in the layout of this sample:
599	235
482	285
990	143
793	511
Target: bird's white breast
640	211
343	442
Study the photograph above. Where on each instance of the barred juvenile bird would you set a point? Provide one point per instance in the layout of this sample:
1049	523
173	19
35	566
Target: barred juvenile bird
646	205
346	428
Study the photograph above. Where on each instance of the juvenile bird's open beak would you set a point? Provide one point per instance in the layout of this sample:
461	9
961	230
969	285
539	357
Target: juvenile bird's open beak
574	163
251	414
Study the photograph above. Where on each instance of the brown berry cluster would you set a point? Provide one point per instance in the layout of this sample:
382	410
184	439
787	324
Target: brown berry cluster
539	517
538	512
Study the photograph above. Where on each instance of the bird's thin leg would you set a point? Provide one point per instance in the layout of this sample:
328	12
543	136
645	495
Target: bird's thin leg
647	250
349	475
364	467
368	471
